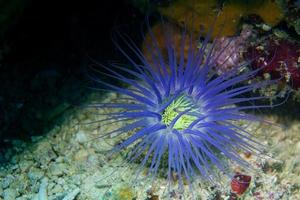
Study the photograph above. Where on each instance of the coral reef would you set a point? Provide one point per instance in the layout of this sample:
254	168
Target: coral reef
229	50
280	58
227	53
203	14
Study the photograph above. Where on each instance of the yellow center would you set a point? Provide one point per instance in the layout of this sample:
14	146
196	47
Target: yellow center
174	109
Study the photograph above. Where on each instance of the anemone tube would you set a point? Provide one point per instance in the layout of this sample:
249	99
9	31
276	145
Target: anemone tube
181	112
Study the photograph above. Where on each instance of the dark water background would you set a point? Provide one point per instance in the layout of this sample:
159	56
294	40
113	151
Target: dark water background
44	52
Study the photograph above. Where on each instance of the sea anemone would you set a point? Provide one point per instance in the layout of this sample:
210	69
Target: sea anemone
179	114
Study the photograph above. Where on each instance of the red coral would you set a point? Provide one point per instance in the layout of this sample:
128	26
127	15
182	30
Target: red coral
240	183
280	58
227	51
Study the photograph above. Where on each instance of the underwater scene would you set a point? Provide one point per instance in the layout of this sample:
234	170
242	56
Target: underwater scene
150	100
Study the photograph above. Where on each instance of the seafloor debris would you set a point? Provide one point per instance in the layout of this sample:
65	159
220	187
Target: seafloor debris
240	183
21	177
42	194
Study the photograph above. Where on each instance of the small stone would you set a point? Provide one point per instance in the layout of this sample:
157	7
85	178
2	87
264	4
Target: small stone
59	159
1	192
25	165
20	183
92	160
44	153
60	181
66	187
72	194
10	194
81	155
297	146
7	181
280	34
70	170
81	137
22	198
76	179
266	27
57	169
50	187
57	189
35	174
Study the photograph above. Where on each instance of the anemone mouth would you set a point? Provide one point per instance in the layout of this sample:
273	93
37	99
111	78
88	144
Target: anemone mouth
179	114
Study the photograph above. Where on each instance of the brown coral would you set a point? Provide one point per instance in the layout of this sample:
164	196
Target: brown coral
203	14
158	32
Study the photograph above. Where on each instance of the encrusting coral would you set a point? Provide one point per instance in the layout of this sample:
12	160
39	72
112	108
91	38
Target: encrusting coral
280	58
203	13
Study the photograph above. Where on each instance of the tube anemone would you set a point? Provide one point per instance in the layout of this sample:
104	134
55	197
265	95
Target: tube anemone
180	113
